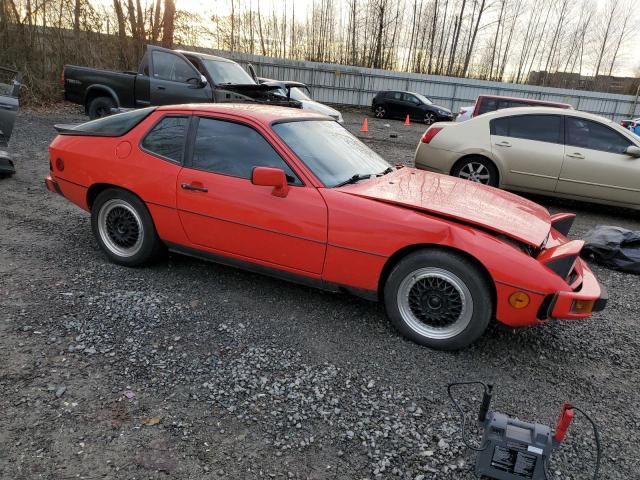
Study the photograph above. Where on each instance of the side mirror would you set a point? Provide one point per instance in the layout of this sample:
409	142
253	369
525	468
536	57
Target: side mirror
197	82
633	151
271	177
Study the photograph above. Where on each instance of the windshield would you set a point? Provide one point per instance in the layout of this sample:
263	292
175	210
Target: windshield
330	151
296	94
423	99
227	73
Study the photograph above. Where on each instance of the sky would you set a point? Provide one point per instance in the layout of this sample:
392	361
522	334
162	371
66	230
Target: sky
629	58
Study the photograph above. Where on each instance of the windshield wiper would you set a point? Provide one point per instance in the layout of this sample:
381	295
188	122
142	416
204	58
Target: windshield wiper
388	170
355	178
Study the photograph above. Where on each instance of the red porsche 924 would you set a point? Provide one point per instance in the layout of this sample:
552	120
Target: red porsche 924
295	195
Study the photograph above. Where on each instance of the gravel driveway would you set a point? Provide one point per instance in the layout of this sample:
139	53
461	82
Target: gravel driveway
187	369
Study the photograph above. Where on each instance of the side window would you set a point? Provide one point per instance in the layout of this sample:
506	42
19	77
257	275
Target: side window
232	149
500	126
595	136
167	138
167	66
411	99
394	96
541	128
487	105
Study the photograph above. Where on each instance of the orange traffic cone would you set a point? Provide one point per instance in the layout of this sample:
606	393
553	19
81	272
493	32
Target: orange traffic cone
407	122
365	126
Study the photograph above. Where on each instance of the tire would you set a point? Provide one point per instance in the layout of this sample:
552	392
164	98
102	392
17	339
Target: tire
430	118
379	111
438	299
101	107
476	169
124	228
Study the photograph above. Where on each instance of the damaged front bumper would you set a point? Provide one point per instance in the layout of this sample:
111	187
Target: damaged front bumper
579	304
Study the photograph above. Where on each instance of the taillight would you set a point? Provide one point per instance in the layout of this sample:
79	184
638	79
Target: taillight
429	134
62	77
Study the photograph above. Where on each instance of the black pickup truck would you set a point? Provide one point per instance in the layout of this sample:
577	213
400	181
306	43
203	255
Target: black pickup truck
167	77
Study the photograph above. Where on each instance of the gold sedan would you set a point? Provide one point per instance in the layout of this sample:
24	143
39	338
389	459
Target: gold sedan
564	153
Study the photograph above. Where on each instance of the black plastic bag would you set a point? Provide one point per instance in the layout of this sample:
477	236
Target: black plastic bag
614	247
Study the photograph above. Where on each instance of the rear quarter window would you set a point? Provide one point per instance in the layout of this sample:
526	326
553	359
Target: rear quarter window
167	138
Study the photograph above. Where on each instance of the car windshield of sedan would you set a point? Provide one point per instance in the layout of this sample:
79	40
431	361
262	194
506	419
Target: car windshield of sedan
333	154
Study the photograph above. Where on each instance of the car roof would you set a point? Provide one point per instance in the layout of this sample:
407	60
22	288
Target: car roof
254	111
523	99
507	112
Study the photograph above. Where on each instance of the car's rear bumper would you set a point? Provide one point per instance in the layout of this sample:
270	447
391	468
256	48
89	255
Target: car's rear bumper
52	185
576	305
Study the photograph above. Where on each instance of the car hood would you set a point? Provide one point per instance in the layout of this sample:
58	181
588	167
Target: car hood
438	107
487	207
314	106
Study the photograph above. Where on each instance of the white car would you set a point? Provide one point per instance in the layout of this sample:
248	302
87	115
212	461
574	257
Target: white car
310	104
465	113
563	153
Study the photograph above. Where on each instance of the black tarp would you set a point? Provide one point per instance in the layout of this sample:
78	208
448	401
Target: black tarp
614	247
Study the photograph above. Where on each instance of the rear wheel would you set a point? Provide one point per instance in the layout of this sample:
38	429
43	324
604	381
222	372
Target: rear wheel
476	169
380	111
123	228
438	299
101	107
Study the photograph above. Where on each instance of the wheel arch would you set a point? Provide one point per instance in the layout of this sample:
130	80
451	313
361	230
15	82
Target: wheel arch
467	156
97	90
97	188
393	260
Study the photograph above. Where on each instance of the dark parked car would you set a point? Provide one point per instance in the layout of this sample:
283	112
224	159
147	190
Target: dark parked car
395	104
9	89
168	77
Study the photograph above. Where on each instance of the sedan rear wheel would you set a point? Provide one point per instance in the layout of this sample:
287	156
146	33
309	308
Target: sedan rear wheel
123	227
380	112
476	169
438	299
429	118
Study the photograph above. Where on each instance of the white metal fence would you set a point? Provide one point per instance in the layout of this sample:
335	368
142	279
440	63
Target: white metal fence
341	84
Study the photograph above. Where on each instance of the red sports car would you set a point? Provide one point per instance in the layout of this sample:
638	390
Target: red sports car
294	194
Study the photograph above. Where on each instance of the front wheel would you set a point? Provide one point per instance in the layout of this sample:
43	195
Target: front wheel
438	299
124	228
429	118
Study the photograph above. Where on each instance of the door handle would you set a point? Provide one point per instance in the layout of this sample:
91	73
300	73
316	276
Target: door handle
159	87
575	155
503	143
194	187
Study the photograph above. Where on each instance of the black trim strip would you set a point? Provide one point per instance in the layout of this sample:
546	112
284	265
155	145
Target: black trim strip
271	271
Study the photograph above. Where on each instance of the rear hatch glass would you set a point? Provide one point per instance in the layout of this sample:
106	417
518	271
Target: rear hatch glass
111	126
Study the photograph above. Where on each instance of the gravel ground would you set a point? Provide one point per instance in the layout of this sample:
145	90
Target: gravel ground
187	369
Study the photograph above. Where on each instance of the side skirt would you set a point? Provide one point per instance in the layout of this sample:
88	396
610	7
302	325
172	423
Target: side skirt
272	272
